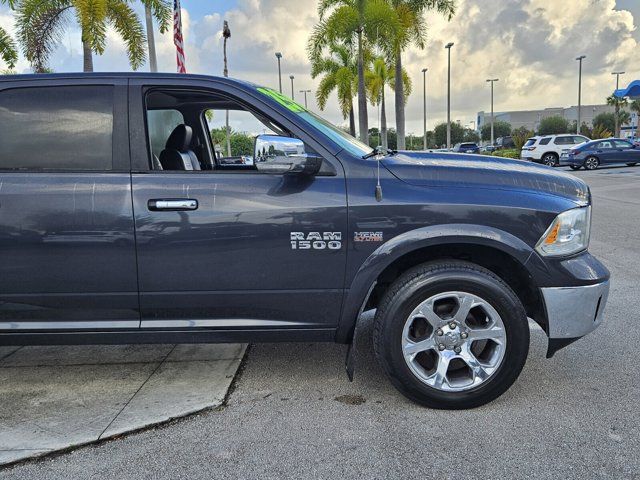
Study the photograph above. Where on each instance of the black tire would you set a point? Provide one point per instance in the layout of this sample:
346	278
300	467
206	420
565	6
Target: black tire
424	281
591	163
632	164
550	159
575	167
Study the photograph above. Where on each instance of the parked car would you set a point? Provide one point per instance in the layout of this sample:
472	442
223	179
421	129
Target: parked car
504	143
466	148
610	151
453	252
488	148
547	149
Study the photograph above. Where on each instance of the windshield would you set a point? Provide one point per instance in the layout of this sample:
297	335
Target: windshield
337	135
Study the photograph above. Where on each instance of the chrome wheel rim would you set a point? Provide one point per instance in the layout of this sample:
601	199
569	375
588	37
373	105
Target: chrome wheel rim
591	163
454	341
549	160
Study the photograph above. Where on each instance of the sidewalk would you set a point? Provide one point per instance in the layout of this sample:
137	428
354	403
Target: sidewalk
53	398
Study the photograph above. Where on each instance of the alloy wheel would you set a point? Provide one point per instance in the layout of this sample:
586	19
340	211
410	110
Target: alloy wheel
454	341
549	160
591	163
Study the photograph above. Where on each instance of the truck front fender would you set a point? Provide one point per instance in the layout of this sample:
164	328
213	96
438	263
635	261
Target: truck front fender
411	241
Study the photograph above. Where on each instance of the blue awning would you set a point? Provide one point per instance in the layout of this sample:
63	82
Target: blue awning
632	90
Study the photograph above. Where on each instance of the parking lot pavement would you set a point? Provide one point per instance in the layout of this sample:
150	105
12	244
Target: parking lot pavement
295	415
54	398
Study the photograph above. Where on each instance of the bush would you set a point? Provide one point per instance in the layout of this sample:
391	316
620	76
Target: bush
520	136
500	129
510	153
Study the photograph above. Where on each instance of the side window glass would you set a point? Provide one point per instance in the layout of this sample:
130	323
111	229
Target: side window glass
605	145
161	123
545	141
236	146
621	144
57	128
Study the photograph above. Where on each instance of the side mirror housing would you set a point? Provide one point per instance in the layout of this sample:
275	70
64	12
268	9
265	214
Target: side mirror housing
284	155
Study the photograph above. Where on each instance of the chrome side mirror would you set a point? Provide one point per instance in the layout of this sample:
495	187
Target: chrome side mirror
284	155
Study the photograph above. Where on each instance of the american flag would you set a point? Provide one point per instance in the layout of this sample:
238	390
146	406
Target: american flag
177	37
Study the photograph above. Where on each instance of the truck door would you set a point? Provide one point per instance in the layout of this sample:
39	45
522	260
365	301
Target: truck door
67	255
221	245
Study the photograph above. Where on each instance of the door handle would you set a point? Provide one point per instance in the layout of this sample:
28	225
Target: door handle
172	204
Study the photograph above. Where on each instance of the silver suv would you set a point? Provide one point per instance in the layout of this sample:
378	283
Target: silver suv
547	149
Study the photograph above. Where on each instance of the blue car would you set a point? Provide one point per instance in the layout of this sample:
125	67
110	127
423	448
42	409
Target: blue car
591	155
468	147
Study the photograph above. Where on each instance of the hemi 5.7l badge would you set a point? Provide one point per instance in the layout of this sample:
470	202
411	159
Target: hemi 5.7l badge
316	240
368	236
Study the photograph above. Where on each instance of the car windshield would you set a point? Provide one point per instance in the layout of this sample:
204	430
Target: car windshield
337	135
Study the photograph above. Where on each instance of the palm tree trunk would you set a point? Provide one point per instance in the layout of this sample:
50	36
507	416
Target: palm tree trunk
153	60
399	103
352	121
87	56
363	120
383	122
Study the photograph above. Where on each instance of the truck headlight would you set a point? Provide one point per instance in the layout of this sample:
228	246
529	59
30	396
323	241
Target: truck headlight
567	234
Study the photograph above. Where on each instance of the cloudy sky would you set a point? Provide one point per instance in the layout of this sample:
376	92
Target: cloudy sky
530	45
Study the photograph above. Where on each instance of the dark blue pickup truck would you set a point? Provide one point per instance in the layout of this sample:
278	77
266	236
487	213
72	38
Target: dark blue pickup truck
122	220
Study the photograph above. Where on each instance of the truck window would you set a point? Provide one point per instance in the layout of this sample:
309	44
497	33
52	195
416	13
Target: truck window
56	128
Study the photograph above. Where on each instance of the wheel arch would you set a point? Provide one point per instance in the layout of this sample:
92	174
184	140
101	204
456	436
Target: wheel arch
494	249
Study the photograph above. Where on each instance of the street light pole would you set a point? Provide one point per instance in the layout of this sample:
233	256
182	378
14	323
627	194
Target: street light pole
492	81
424	105
617	114
292	94
580	58
279	56
305	97
448	47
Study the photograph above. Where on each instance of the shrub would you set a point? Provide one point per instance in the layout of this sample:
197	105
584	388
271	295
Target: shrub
553	125
510	153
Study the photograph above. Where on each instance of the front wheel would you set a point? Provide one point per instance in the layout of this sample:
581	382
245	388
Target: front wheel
575	167
591	163
451	335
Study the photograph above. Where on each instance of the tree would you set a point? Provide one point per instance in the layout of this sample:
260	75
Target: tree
412	31
376	80
161	10
600	131
606	121
41	24
520	136
440	133
635	107
470	136
617	102
553	125
355	23
241	143
500	129
8	51
340	73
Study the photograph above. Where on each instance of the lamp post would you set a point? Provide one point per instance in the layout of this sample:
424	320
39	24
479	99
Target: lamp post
579	59
305	96
292	93
448	47
617	114
279	56
424	106
492	81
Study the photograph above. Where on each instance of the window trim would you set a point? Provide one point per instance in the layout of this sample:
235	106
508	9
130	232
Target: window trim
120	158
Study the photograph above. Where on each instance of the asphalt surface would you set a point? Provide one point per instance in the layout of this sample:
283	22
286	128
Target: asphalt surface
293	414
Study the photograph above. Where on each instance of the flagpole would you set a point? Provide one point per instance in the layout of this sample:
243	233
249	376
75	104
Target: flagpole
178	39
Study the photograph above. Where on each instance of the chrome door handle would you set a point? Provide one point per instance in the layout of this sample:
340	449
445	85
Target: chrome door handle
172	204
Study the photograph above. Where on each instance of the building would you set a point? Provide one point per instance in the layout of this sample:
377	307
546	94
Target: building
531	118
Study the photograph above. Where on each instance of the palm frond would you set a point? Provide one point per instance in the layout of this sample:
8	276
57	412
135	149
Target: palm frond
8	50
91	16
162	11
126	22
40	27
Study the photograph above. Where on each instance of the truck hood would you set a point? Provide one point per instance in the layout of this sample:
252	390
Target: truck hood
481	171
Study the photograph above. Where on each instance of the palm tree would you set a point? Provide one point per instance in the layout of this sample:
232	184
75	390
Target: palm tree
634	106
8	51
377	79
413	30
353	22
41	23
617	102
160	10
341	74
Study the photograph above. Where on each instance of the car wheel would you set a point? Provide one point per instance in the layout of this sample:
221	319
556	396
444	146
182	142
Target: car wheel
633	164
550	159
575	167
591	163
451	335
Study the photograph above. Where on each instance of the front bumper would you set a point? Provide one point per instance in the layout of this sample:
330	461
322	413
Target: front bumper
573	312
